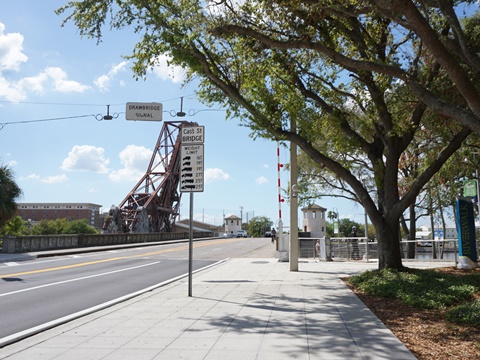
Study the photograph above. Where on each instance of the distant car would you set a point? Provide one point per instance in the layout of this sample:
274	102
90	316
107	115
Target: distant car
424	243
268	234
242	233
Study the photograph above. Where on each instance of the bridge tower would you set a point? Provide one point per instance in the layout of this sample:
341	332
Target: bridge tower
154	202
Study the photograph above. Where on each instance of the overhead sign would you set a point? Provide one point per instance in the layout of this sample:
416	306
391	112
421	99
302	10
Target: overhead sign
191	168
193	135
144	111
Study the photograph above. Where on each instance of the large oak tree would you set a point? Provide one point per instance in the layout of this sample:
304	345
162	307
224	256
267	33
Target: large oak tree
352	83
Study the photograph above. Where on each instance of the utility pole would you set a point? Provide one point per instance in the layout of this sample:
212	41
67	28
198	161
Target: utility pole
293	201
241	217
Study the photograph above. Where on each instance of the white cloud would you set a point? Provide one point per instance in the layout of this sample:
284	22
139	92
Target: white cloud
49	179
11	59
18	91
32	83
10	91
215	175
86	158
135	161
11	46
61	82
30	177
261	180
266	166
55	179
164	71
103	82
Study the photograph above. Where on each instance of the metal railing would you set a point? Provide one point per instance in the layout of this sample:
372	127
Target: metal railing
349	248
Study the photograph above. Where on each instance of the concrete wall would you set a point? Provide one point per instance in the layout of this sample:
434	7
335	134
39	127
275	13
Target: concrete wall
21	244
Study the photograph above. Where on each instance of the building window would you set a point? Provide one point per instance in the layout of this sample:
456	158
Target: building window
314	215
305	215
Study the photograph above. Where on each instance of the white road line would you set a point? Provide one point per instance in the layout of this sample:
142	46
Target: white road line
25	333
11	263
78	279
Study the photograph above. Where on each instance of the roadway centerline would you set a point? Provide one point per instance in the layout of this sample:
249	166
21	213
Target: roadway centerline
157	252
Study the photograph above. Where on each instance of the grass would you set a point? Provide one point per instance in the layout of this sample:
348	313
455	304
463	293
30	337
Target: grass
427	289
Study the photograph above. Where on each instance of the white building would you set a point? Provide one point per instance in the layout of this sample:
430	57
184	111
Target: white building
314	221
232	224
426	233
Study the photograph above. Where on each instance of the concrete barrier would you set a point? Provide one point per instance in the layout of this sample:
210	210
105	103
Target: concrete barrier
22	244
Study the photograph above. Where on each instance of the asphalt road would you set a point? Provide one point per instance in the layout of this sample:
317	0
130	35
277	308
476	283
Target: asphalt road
43	292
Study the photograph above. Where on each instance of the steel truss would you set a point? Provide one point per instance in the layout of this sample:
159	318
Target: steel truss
154	202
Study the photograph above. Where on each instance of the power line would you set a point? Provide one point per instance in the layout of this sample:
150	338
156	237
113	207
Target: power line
98	117
49	103
2	125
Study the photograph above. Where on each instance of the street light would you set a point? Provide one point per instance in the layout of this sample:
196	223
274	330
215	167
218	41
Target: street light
293	201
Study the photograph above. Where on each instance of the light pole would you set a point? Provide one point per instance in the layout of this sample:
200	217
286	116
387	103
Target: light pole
241	217
293	201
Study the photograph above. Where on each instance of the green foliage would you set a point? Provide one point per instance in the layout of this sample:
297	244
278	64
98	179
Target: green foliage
424	289
465	314
49	227
259	225
15	226
346	225
62	226
79	227
9	192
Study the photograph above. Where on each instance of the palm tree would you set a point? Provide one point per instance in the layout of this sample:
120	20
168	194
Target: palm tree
9	191
332	215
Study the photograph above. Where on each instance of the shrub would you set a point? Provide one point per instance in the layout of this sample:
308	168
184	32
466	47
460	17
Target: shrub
424	289
466	314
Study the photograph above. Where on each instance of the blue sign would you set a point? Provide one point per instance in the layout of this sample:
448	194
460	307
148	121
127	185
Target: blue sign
466	229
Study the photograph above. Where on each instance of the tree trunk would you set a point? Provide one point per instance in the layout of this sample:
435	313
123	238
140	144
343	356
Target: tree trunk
389	251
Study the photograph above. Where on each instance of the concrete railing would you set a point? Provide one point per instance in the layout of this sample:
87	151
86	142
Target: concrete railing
21	244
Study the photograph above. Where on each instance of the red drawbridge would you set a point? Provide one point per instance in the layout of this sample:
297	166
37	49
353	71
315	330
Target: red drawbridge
153	204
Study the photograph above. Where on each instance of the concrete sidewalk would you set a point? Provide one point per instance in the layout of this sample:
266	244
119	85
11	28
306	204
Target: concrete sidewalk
240	309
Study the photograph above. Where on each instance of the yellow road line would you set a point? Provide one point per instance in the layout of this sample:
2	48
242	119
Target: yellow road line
163	251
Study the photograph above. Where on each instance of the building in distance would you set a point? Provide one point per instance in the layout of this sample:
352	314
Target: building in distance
35	212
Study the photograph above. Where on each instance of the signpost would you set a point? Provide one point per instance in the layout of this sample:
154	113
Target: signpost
144	111
191	177
191	168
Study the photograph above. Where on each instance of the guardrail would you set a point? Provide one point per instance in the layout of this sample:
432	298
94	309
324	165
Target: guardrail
21	244
359	248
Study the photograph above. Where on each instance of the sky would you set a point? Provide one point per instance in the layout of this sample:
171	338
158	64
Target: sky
54	91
